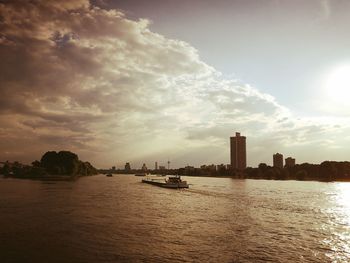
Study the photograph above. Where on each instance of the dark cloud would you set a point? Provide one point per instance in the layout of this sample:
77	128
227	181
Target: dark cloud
77	76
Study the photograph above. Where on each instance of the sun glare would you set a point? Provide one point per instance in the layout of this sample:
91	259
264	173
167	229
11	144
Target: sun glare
338	84
343	200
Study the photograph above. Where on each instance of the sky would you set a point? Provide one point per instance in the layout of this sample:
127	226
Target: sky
145	81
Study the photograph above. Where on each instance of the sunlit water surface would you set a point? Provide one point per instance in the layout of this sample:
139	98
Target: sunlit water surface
119	219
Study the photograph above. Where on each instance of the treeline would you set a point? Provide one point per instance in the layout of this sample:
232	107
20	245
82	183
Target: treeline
326	171
63	164
191	171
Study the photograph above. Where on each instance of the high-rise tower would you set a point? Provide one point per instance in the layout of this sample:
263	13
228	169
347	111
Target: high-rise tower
238	152
278	160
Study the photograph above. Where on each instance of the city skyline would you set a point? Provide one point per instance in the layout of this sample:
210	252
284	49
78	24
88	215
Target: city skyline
125	81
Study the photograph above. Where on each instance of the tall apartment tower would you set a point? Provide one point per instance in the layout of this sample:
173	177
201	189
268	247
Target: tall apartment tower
278	160
238	152
156	166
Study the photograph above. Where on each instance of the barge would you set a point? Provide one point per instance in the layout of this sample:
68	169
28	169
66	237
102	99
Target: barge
170	182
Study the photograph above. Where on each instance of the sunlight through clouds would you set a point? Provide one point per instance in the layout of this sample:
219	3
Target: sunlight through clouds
93	81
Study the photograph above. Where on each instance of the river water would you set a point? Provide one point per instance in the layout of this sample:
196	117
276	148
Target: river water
119	219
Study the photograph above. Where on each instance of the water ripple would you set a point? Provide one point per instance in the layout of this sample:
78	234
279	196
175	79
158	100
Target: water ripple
119	219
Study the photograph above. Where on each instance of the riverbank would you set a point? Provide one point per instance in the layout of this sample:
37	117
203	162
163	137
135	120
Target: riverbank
271	179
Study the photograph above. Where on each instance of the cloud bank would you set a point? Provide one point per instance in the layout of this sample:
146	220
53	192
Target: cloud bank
78	77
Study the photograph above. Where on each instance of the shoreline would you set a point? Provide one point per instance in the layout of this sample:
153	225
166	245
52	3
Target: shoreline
73	178
232	177
268	179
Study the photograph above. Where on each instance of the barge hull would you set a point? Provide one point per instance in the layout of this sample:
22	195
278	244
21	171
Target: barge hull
165	185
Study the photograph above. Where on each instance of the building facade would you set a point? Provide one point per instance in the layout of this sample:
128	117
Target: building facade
290	162
144	167
238	152
127	167
278	160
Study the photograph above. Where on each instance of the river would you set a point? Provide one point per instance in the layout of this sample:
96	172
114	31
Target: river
119	219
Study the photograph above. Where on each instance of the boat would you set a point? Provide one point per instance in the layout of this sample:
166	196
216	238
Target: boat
109	175
171	182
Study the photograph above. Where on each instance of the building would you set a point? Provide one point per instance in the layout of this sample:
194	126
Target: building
161	168
238	152
278	160
262	166
290	162
221	167
209	168
144	167
156	166
127	167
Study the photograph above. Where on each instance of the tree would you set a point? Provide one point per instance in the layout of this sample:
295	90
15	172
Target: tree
65	163
36	163
328	170
7	168
49	160
301	175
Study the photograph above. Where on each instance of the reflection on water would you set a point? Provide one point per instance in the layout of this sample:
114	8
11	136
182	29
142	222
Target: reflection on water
342	199
119	219
339	224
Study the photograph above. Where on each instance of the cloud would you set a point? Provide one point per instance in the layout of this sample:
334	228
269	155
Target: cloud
326	8
79	77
